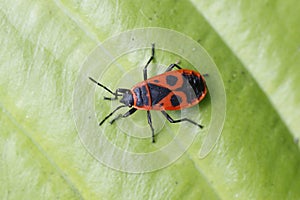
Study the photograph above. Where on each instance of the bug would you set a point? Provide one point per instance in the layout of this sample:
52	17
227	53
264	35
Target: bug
171	90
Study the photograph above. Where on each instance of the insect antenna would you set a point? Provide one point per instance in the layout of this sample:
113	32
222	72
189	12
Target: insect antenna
110	114
107	89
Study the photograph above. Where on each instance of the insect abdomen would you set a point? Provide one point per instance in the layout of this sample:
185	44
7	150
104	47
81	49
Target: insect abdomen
173	90
176	90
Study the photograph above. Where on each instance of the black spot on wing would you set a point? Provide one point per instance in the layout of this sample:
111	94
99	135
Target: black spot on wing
157	93
176	100
171	80
193	87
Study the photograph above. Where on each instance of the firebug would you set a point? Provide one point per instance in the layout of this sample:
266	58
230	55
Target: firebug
171	90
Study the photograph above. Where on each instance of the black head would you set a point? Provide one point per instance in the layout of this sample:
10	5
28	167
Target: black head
127	98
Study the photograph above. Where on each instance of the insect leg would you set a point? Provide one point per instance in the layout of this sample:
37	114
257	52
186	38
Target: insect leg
128	113
171	120
172	66
150	124
110	114
150	59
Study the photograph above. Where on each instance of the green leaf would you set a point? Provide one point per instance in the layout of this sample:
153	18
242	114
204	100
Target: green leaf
255	47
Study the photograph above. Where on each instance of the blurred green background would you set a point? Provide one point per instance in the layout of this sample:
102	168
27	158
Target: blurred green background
256	47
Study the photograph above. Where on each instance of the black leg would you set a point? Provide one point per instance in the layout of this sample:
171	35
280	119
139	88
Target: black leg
150	124
179	120
128	113
150	59
172	66
110	114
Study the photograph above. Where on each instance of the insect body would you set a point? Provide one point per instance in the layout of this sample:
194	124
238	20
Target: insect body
172	90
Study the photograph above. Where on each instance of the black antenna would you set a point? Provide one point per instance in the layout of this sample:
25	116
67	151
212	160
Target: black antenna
99	84
107	89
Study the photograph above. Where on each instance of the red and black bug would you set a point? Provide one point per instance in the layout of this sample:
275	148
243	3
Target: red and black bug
171	90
